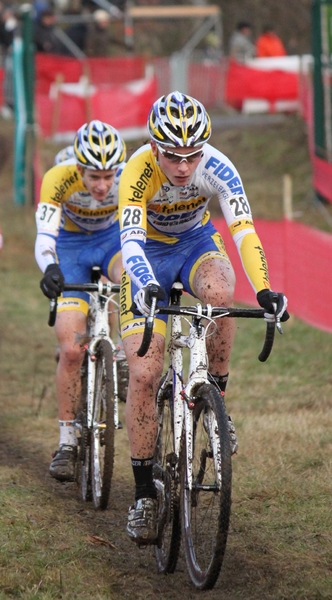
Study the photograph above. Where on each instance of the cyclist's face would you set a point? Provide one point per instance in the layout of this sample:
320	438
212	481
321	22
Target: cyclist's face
178	170
98	183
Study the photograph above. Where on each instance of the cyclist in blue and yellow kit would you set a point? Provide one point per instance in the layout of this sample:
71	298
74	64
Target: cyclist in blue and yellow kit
167	235
78	228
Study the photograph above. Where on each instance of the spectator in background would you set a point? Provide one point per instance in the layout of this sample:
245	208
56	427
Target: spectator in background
269	43
99	37
8	25
78	33
38	7
44	37
241	48
212	46
94	36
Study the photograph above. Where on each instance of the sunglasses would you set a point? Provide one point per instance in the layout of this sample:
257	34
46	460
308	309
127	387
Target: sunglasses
173	157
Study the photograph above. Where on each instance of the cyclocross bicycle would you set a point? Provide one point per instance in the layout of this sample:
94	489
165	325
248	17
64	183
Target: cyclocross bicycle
193	469
97	416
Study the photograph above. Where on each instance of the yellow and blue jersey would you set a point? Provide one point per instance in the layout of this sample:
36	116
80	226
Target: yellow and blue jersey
152	209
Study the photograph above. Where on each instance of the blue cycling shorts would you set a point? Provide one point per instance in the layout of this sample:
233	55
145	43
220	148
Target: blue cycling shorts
170	263
78	253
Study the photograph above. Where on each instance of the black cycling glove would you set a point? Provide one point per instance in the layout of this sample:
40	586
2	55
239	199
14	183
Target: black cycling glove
53	281
266	299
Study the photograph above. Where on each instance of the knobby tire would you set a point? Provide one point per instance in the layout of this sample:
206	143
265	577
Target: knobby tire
102	435
84	453
165	476
206	508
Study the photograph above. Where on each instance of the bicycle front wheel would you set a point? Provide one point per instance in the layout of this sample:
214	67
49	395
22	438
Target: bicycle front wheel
84	454
102	435
206	506
166	481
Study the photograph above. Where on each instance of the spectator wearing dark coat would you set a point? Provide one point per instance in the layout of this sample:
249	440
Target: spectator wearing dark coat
8	25
44	37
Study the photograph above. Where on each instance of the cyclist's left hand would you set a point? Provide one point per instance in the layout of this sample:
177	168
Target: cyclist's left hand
143	298
275	303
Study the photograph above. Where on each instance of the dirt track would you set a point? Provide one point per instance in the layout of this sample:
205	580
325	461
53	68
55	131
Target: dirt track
132	572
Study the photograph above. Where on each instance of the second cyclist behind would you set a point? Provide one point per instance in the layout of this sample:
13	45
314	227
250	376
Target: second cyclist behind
77	229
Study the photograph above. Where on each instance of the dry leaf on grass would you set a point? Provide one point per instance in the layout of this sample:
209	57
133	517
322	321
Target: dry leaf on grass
95	539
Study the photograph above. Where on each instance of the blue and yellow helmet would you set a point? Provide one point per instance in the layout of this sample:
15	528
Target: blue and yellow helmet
64	154
179	120
99	146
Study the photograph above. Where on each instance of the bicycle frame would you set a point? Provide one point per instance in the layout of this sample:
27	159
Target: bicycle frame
101	295
99	415
195	342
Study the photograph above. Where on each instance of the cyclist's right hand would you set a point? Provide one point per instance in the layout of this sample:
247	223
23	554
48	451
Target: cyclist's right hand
53	281
143	298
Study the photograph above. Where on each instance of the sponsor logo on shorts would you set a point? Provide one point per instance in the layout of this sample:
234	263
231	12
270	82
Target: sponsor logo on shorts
63	303
133	326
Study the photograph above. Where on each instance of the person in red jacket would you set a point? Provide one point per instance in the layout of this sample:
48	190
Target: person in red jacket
269	43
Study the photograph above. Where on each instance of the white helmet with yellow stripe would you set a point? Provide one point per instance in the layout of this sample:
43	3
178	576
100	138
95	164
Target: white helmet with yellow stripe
64	155
99	146
179	120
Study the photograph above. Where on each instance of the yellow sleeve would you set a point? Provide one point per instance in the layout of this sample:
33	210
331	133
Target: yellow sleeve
254	261
133	191
59	183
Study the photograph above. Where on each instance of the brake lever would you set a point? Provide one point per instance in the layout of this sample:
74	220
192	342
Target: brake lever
278	324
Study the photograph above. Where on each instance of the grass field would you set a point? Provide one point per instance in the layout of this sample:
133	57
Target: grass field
53	546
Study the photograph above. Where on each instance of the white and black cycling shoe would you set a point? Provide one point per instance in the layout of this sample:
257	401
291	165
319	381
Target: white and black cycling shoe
142	526
63	464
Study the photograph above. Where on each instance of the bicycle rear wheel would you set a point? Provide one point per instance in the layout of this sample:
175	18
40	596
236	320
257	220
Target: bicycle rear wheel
166	481
102	435
206	507
84	454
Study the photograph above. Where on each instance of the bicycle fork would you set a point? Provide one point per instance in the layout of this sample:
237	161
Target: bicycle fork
183	395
